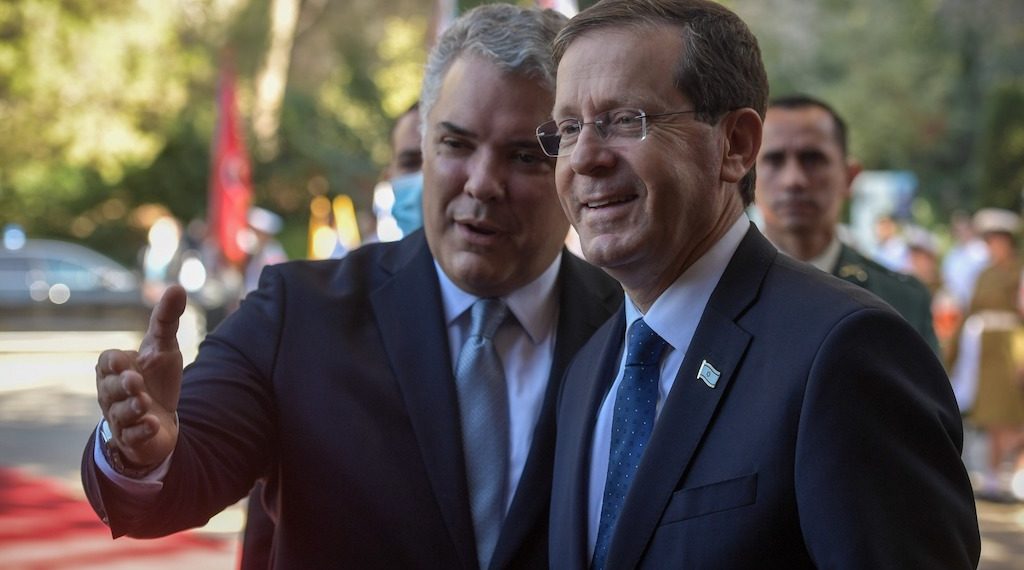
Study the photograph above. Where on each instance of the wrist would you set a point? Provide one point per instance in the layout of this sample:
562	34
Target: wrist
117	459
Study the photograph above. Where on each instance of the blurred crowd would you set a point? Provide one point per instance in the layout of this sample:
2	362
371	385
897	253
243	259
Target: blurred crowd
975	279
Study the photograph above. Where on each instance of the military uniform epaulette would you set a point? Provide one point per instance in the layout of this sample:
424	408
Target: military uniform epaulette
904	292
865	267
853	270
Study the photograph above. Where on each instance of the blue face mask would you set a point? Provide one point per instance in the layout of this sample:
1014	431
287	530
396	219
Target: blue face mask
408	208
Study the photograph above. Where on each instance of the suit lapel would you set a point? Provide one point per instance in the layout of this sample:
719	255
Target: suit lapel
690	406
596	367
411	321
582	309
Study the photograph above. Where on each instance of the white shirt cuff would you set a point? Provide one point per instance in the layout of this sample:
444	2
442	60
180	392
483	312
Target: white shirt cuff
143	488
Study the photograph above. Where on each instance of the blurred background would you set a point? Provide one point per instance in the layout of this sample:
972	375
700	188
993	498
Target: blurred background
145	142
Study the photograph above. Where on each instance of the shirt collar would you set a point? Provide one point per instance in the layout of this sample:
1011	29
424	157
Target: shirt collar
675	313
534	305
825	261
829	258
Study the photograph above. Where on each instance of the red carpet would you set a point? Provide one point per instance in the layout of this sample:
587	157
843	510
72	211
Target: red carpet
43	526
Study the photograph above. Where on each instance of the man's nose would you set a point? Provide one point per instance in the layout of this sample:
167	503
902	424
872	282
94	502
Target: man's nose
590	154
486	179
792	174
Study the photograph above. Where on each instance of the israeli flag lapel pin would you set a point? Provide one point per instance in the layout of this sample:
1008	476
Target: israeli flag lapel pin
708	374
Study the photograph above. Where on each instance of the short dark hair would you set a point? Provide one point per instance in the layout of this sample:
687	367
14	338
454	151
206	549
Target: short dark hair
414	108
720	67
803	101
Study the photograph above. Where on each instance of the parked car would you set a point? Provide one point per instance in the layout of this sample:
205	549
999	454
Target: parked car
48	285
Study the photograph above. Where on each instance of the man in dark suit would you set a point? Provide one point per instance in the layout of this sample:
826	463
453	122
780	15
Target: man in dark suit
804	177
335	381
758	413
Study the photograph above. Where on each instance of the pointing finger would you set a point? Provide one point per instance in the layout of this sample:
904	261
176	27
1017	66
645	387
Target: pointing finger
163	323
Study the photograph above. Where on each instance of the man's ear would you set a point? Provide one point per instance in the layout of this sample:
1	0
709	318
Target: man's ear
853	168
742	129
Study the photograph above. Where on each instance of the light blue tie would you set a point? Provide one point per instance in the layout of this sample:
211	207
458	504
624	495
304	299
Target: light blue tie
635	405
483	403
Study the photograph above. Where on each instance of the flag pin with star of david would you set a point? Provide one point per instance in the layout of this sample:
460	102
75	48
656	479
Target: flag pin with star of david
708	374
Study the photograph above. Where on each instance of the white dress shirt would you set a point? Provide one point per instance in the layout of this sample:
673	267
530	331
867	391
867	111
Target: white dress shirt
526	359
674	315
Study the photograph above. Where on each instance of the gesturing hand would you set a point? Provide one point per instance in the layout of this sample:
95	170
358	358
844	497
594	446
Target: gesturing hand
138	391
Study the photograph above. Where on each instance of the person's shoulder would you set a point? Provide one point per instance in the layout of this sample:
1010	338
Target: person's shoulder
361	265
862	270
814	297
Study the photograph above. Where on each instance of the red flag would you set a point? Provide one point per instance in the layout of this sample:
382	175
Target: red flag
230	186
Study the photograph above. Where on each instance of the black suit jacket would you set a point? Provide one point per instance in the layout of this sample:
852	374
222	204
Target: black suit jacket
333	382
830	440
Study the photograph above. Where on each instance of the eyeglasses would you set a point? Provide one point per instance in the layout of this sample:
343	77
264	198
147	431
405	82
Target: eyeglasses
617	127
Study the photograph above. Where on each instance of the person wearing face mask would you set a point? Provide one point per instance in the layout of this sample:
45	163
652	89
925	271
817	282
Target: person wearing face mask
804	180
399	200
397	404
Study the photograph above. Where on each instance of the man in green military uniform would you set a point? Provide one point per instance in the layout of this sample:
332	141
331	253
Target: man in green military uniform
804	176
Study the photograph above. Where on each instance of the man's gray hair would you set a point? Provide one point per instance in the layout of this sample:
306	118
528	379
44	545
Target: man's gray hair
517	40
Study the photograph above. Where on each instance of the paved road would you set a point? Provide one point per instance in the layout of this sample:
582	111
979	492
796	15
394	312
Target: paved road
48	407
47	410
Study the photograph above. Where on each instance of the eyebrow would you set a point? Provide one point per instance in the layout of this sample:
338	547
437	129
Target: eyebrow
452	127
528	143
608	105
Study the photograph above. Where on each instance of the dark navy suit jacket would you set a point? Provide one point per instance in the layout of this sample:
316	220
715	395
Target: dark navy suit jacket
333	382
831	439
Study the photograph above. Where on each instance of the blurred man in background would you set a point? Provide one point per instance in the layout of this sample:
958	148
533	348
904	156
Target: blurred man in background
804	176
743	409
342	383
398	201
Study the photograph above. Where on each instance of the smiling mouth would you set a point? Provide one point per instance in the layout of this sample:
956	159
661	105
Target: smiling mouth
609	202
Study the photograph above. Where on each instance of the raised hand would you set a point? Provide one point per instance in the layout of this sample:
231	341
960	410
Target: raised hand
138	391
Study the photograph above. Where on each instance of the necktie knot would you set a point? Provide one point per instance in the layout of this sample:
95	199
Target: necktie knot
644	347
486	316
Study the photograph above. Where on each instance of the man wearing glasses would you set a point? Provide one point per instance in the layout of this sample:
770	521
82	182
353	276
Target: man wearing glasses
398	403
742	410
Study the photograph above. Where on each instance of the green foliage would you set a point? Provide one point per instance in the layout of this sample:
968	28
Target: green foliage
910	77
1002	148
107	106
314	146
90	92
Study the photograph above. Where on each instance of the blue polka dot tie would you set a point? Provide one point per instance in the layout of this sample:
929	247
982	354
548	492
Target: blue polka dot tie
632	423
